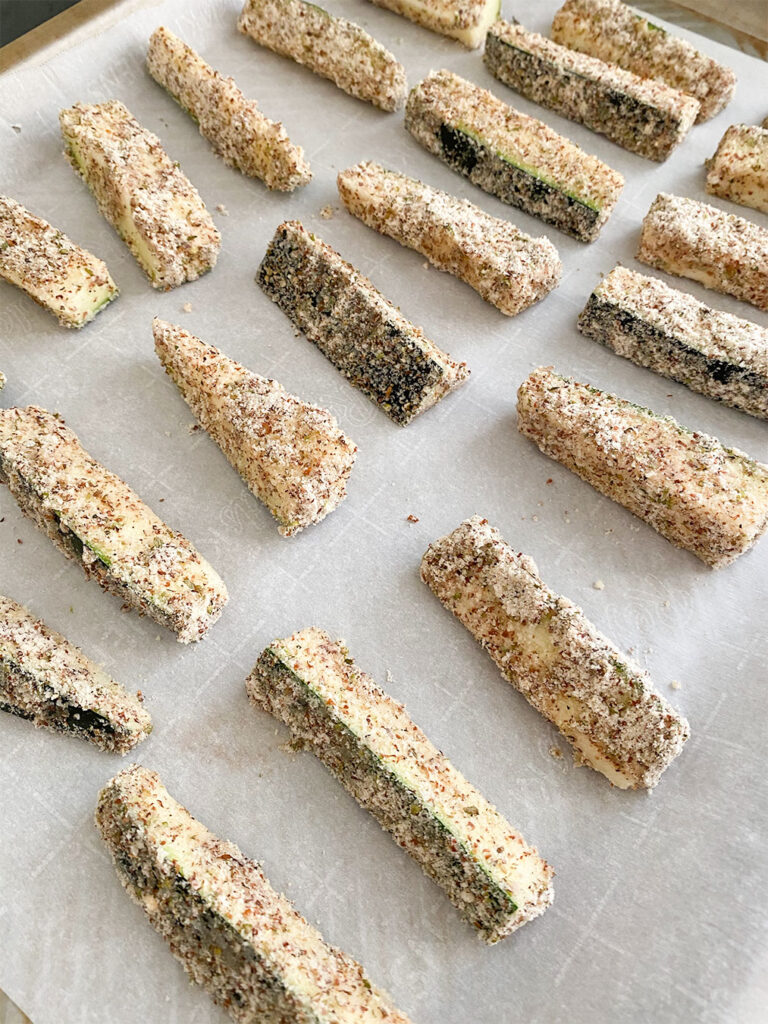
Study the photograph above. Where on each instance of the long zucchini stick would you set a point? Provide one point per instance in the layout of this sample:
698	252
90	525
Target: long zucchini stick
739	169
464	20
370	744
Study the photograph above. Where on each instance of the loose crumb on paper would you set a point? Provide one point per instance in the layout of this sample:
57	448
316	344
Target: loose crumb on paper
412	518
187	307
598	585
676	684
222	209
327	212
556	752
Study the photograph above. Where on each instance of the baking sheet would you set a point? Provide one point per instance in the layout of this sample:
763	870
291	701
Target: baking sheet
661	910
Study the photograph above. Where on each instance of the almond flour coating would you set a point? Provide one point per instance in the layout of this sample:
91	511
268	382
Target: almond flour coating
365	337
244	943
465	20
145	196
739	169
508	268
331	47
61	277
602	702
514	157
642	115
700	495
717	249
50	682
672	333
291	455
616	33
96	519
370	744
238	131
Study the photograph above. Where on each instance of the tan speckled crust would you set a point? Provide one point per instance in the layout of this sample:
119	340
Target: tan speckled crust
700	495
618	34
145	196
97	520
602	702
508	268
643	115
331	47
739	169
244	943
238	131
291	455
465	20
719	250
369	742
66	280
516	158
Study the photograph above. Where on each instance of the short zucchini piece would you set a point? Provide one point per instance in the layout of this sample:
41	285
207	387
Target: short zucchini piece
365	337
332	47
508	268
244	943
719	250
96	519
644	116
370	744
145	196
618	34
739	169
61	277
700	495
514	157
290	454
602	702
238	131
47	680
464	20
672	333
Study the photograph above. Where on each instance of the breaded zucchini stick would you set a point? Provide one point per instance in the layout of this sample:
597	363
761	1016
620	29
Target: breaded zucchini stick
672	333
700	495
145	196
61	277
331	47
50	682
642	115
719	250
244	943
97	520
601	701
618	34
290	454
739	169
238	131
508	268
365	337
516	158
465	20
370	744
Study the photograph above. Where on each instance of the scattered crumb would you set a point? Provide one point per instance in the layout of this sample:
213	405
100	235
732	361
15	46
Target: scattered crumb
535	519
676	684
187	307
327	212
390	677
425	264
193	428
412	518
140	696
550	480
556	752
598	585
19	540
606	532
16	128
222	209
666	604
567	519
161	499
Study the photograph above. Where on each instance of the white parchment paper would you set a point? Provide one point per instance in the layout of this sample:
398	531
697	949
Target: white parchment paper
661	911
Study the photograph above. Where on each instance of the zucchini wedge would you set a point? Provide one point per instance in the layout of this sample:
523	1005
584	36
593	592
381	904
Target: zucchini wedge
50	682
238	131
694	491
719	250
601	702
146	198
61	277
642	115
290	454
739	169
672	333
367	740
244	943
365	337
618	34
514	157
333	48
97	520
464	20
508	268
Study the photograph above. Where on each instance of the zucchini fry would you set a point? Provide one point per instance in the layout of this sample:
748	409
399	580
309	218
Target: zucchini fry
367	740
739	169
464	20
700	495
